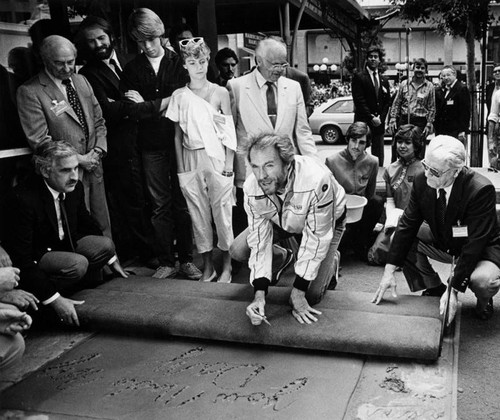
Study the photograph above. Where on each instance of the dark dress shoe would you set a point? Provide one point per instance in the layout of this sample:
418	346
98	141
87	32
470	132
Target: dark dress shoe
487	312
437	291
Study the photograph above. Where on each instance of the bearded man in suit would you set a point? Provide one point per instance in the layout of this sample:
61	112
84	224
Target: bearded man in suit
58	104
458	205
123	179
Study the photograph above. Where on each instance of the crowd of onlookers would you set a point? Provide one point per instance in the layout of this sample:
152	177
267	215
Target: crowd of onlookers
146	157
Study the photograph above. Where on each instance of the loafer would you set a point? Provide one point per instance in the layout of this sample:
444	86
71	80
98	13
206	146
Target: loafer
487	312
437	291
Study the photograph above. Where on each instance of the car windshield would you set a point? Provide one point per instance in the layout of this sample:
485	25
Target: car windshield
340	107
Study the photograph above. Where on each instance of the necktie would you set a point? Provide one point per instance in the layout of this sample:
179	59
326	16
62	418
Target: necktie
271	103
441	212
116	67
76	105
64	220
375	83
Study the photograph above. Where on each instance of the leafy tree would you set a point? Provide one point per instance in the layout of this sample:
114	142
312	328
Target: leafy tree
462	18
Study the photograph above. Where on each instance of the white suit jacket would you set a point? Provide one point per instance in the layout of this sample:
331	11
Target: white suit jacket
250	116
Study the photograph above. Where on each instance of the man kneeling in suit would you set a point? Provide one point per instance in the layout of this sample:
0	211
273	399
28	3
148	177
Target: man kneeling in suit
51	236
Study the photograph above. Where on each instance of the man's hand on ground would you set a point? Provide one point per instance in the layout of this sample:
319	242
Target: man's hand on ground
255	311
12	321
301	310
20	298
65	310
5	260
388	282
117	268
452	305
9	278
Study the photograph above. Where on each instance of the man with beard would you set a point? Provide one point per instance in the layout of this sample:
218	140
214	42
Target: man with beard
58	104
123	179
226	61
286	195
370	92
415	104
51	237
458	205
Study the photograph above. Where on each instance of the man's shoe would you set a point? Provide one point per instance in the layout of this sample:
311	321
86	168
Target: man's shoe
286	262
164	272
487	312
437	291
190	271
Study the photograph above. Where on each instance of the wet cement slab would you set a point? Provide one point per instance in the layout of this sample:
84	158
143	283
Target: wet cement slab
112	377
119	377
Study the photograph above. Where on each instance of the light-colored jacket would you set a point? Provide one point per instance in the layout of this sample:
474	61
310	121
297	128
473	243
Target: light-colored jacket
36	99
250	116
311	203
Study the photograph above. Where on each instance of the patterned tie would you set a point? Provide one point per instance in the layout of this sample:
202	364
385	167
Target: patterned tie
115	65
375	83
76	105
271	103
64	220
441	212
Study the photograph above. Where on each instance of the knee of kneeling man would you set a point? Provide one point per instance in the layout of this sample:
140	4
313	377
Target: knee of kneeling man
80	267
107	245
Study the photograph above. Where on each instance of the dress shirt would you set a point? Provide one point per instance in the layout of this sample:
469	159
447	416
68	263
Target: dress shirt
448	192
113	57
373	75
60	85
261	82
55	196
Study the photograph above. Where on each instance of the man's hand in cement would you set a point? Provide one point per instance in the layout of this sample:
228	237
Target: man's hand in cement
388	282
255	311
301	310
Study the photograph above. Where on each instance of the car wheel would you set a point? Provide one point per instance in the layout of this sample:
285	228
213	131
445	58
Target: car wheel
330	134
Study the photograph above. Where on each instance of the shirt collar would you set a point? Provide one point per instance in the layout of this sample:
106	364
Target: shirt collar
261	81
112	57
53	192
370	71
58	82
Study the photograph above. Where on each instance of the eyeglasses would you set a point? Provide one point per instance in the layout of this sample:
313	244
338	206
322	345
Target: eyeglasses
434	172
197	40
228	64
276	67
496	71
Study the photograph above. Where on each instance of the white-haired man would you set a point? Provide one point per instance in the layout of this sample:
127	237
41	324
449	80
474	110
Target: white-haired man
458	205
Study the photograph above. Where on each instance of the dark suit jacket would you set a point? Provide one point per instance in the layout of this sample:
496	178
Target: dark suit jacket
32	230
366	103
120	114
472	202
452	112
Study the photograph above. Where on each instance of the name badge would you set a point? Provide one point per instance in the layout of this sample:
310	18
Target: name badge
59	107
450	102
421	95
460	231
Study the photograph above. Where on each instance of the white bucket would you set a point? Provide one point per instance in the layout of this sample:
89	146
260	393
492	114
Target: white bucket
355	205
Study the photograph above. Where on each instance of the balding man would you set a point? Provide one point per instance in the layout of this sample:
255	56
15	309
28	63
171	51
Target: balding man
458	205
264	101
58	104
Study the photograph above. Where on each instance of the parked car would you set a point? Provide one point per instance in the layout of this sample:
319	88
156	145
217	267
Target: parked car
332	119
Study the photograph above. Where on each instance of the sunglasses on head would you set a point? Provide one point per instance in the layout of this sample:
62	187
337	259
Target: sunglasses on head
197	40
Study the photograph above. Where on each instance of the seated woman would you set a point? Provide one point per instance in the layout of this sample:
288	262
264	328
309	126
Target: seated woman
356	171
398	177
205	141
